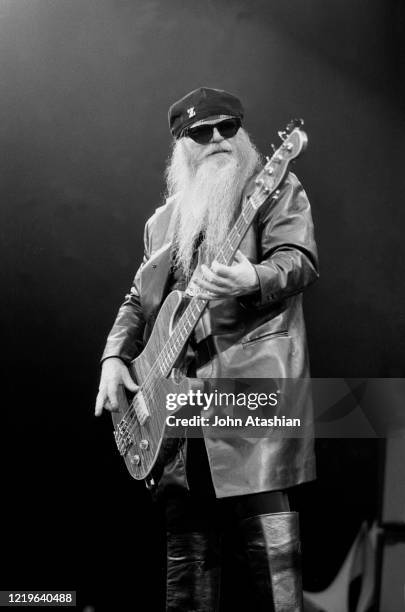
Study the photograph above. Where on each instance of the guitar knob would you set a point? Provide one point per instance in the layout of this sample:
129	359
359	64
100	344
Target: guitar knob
135	460
144	444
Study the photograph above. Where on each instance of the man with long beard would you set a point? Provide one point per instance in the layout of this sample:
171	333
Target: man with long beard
253	327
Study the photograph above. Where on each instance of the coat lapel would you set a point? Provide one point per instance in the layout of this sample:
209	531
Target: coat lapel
155	272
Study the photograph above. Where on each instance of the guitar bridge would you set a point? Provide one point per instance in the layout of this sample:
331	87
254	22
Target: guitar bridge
123	438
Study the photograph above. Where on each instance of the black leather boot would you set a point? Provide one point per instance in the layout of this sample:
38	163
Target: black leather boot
274	556
193	572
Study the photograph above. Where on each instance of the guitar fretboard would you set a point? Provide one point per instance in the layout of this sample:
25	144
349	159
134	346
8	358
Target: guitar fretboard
189	319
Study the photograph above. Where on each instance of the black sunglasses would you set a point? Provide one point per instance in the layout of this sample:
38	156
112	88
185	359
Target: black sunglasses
202	134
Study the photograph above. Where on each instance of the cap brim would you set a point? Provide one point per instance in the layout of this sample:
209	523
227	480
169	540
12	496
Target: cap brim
210	120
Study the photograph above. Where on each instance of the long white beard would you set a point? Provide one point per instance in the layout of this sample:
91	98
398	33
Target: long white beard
208	197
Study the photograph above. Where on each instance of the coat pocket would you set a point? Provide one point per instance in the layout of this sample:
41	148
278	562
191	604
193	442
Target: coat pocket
282	333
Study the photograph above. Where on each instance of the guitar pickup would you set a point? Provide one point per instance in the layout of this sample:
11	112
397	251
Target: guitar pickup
141	409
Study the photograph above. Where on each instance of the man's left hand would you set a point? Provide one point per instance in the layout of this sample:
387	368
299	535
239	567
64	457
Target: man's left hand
222	281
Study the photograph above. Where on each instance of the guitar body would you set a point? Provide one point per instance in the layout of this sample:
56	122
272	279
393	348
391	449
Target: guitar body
140	425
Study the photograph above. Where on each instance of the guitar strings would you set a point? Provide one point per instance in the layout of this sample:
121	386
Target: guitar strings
235	233
165	362
163	365
164	357
174	337
169	360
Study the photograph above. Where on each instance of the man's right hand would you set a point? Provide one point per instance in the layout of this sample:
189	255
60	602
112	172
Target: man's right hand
113	374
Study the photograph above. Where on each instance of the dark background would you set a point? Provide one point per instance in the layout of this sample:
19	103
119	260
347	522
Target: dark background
85	87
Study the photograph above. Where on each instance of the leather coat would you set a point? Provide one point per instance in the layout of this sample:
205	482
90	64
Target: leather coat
258	336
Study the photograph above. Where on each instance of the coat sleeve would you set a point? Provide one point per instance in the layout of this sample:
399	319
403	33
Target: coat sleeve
288	255
125	339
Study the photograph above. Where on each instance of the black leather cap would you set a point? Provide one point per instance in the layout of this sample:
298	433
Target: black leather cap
201	104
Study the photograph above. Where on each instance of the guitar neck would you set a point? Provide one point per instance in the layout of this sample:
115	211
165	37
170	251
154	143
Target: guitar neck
196	306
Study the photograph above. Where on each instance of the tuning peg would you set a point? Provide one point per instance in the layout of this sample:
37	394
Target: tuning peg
287	146
294	123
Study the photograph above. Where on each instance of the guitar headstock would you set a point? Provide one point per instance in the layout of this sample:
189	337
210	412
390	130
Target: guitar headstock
290	127
294	142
